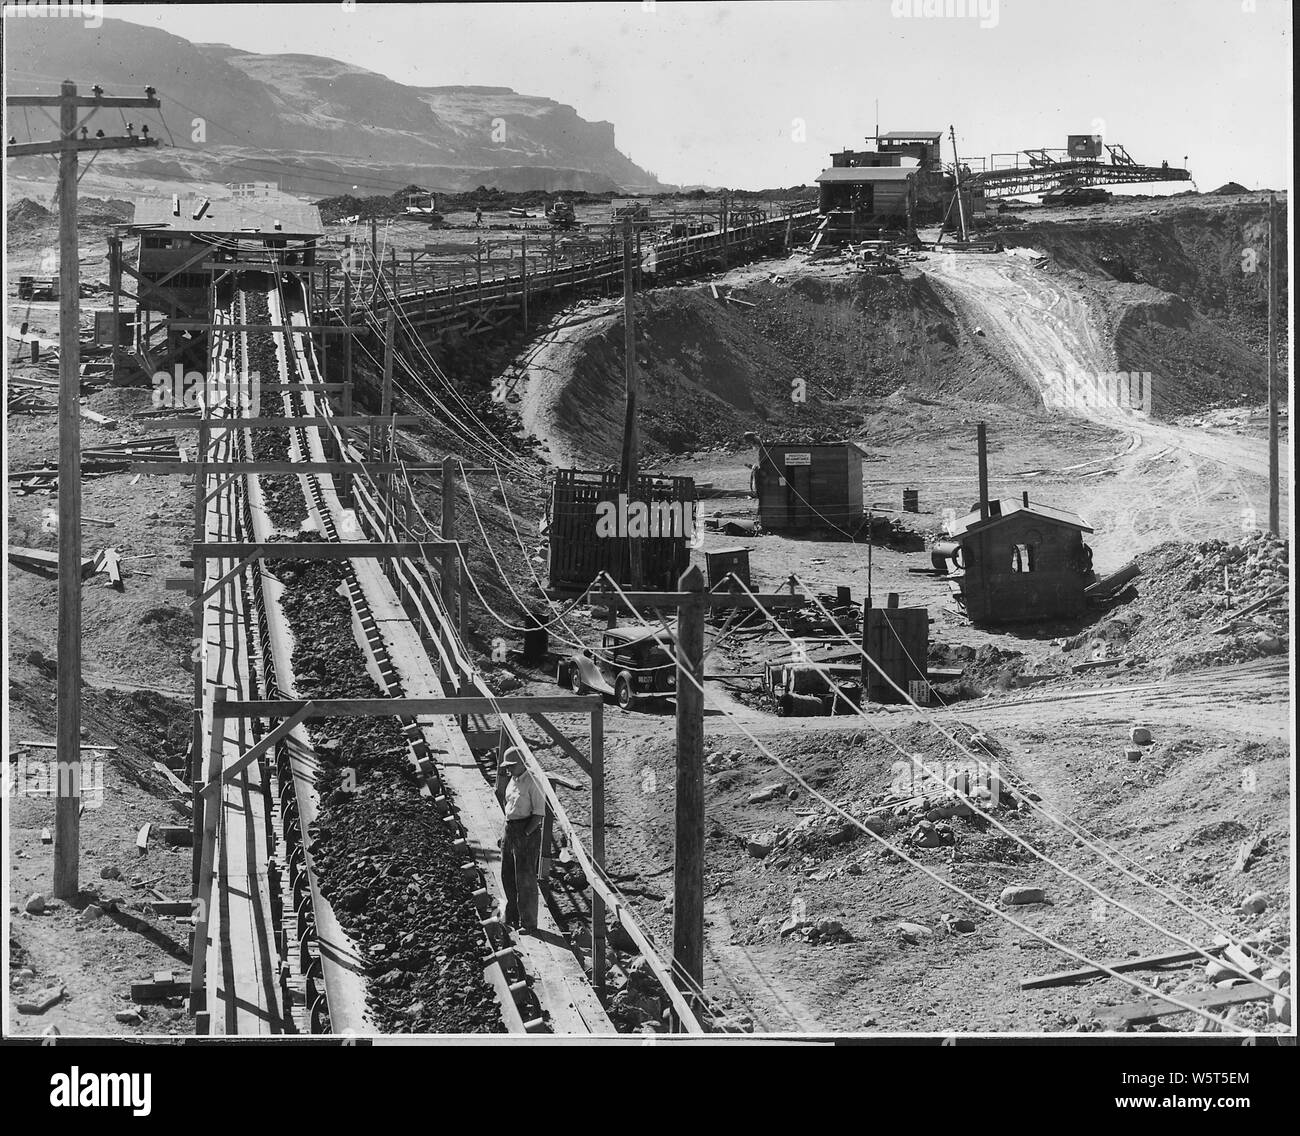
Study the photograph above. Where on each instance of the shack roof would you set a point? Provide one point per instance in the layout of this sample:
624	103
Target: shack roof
911	136
813	446
867	173
1012	506
230	215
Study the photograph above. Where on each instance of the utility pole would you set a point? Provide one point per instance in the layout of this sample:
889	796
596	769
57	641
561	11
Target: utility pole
956	173
628	470
693	601
688	847
1273	519
67	809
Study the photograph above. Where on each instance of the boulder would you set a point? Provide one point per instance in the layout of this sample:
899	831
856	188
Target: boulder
35	904
1132	753
1018	896
1254	904
914	932
1140	736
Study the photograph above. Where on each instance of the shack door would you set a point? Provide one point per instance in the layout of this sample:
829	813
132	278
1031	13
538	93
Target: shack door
799	495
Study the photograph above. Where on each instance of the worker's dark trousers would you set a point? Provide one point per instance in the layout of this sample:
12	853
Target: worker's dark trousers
519	855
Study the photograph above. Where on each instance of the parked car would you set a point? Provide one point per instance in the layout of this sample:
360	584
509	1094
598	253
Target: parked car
632	664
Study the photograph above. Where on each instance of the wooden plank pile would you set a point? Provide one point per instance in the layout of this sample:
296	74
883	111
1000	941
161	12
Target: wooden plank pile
99	461
39	560
27	397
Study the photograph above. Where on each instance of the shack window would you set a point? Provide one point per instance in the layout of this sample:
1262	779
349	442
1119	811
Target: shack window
1022	558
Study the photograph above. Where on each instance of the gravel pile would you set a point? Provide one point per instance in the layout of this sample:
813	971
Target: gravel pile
1181	598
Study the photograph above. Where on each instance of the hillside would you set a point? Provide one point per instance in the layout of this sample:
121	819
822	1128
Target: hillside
328	124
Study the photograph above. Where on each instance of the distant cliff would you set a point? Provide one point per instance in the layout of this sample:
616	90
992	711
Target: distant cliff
326	121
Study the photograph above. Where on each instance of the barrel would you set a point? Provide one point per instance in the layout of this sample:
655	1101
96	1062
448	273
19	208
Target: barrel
802	706
911	501
943	551
807	679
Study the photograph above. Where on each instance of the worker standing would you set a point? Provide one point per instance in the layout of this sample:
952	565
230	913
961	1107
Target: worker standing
521	847
478	215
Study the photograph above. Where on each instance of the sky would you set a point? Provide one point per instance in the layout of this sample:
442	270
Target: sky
757	94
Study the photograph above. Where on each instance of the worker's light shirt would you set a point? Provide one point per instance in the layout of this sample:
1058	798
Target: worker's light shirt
523	797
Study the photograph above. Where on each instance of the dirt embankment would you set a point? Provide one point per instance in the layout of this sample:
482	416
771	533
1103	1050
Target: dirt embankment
1185	295
800	355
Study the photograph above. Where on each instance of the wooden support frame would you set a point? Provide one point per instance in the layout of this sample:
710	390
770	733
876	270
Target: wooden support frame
282	731
187	468
321	550
216	586
207	847
208	325
410	707
218	423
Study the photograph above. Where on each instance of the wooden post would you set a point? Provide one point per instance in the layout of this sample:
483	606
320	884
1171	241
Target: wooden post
523	275
1273	517
200	573
688	858
598	846
374	243
870	519
722	207
478	260
628	471
207	858
325	339
67	810
451	565
115	286
386	411
981	442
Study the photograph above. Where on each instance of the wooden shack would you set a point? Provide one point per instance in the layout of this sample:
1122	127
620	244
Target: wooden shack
803	485
187	242
1023	562
582	506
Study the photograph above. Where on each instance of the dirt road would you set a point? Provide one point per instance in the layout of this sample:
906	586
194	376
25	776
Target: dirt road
1164	481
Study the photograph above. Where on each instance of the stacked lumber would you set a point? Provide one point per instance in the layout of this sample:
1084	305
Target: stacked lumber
98	461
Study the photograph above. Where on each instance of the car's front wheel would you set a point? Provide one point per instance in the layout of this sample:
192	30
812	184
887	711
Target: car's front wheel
623	694
575	680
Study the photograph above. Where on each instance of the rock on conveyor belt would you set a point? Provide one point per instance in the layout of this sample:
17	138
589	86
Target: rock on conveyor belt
383	857
281	492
